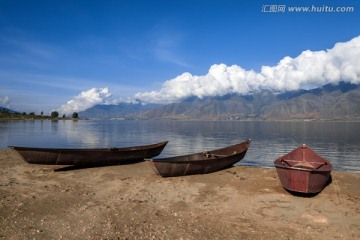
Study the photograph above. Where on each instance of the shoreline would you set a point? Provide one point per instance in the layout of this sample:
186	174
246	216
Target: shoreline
41	119
131	202
189	120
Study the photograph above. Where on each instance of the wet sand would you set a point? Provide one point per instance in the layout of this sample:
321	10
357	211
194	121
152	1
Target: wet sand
131	202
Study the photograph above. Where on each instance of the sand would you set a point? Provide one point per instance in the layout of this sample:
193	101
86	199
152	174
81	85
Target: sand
131	202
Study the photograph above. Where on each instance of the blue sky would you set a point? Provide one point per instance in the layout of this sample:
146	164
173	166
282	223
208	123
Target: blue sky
90	52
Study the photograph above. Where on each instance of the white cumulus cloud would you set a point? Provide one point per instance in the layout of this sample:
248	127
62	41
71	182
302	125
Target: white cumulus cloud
86	99
308	70
5	102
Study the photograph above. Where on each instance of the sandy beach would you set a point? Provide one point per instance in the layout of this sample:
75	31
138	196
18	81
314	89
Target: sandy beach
131	202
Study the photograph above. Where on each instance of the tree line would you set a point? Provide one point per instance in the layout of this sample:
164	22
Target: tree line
55	114
5	113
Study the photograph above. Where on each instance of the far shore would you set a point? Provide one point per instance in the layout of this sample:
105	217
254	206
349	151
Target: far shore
43	118
175	119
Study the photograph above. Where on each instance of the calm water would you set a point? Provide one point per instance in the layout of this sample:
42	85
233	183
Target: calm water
336	141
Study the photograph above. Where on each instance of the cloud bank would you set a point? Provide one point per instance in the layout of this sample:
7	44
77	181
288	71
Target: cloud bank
310	69
90	98
85	100
5	102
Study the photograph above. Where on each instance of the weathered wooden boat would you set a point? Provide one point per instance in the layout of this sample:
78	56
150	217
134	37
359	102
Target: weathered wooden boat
199	163
94	156
303	170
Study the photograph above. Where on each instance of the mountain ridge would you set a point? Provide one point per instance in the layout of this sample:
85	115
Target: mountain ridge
122	110
328	102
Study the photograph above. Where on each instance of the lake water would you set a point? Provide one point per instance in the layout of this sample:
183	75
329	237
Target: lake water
339	142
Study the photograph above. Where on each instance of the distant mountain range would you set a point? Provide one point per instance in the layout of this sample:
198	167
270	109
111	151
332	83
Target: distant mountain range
122	110
7	110
341	102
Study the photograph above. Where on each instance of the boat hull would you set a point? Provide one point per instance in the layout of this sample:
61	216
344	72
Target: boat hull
303	180
303	171
97	156
200	163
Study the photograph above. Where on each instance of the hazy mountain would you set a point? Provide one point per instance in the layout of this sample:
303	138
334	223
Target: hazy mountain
7	110
122	110
329	102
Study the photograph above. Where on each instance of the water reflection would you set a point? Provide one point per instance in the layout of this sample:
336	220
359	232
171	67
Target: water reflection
336	141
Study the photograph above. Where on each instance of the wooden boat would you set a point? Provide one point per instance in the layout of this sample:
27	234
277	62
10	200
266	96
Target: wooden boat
95	156
303	170
199	163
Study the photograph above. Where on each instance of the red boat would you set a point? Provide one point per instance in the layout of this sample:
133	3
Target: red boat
303	170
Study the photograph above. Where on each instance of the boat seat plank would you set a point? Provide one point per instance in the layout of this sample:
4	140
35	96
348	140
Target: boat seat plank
303	164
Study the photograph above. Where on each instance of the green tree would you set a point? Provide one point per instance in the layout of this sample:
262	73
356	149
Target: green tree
75	115
54	114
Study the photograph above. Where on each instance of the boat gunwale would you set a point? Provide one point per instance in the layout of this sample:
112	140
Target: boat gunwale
326	163
109	149
204	159
168	160
303	169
